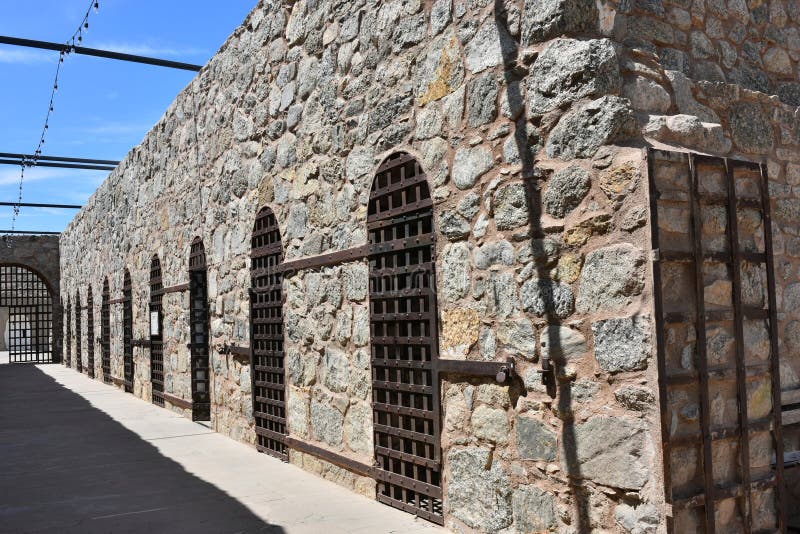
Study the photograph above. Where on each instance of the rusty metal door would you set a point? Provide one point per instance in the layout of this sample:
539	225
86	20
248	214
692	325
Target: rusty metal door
68	320
198	336
717	343
155	326
105	333
127	332
90	333
266	335
403	327
30	315
78	332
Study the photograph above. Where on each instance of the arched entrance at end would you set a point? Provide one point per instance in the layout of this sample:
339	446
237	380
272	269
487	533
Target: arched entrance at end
26	314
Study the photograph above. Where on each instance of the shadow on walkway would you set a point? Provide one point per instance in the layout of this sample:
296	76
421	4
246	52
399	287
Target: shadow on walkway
68	467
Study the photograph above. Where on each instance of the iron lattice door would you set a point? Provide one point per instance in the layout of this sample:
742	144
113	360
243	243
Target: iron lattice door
717	341
68	330
90	333
127	333
198	325
30	315
403	326
78	332
105	333
266	335
155	325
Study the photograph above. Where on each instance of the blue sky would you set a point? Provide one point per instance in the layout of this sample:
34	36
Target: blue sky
102	107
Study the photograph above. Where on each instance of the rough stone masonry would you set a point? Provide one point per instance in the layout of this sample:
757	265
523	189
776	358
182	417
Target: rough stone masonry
531	121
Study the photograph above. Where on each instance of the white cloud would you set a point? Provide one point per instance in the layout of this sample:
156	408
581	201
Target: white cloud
27	57
141	49
10	175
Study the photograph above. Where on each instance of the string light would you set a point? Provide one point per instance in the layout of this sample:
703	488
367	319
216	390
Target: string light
69	47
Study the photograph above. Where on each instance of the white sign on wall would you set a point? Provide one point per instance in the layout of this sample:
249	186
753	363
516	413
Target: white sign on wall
154	324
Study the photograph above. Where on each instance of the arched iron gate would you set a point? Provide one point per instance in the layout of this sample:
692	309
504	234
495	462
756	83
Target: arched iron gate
198	323
30	315
78	332
105	333
266	335
403	325
68	330
156	335
127	332
90	333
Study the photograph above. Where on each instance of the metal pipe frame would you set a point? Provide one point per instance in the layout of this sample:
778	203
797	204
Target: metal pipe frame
62	47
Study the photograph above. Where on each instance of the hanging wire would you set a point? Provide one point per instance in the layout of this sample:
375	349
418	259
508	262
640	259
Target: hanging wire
69	47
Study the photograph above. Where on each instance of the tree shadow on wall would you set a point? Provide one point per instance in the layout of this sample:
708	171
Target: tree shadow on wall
68	467
514	74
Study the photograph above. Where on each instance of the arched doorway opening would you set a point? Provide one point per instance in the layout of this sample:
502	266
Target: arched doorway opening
68	337
26	314
127	332
156	335
266	334
90	333
105	333
404	344
198	324
78	332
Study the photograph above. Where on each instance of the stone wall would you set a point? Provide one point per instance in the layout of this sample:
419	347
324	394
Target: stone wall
39	253
517	112
752	43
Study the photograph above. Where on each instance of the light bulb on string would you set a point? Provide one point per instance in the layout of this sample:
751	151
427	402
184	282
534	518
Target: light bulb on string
86	25
96	6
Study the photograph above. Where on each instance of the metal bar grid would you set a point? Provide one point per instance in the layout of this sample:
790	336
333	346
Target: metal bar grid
660	341
701	356
30	315
90	341
78	332
198	327
738	325
777	434
105	333
267	335
716	173
129	368
156	339
68	337
405	375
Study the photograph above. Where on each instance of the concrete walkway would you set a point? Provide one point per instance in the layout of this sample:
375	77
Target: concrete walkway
80	456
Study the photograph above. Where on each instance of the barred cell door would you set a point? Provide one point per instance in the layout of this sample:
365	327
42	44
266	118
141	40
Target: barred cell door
156	335
29	331
105	333
68	330
717	339
198	324
90	333
403	328
78	332
127	333
266	335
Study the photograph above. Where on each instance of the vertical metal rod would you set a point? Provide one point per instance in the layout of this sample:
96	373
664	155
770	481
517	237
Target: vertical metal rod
660	341
777	436
700	347
741	371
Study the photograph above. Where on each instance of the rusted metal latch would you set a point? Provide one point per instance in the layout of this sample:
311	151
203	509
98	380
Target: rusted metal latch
234	350
501	371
